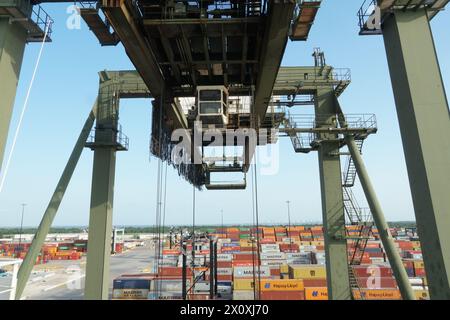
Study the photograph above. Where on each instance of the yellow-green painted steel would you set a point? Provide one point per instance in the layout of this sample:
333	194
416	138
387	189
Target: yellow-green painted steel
378	217
53	206
102	191
12	46
424	119
332	199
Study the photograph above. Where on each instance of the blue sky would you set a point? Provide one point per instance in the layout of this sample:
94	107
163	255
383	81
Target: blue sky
66	86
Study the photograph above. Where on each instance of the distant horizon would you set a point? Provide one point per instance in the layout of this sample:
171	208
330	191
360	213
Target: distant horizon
199	225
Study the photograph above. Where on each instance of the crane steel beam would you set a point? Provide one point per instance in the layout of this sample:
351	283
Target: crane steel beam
423	114
392	253
122	17
12	46
102	191
53	206
275	38
332	198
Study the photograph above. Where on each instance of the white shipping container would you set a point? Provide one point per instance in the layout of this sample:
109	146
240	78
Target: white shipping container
320	255
168	285
298	255
247	272
272	256
270	247
168	263
225	271
243	295
130	294
308	248
202	287
224	289
224	257
273	263
298	261
164	296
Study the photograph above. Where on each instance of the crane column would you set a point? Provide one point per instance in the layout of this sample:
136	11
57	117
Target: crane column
332	198
423	115
12	46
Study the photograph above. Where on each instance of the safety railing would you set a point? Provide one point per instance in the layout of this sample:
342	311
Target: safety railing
120	140
181	9
341	74
368	13
87	4
42	19
353	121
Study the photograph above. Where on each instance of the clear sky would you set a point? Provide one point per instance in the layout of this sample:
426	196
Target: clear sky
66	86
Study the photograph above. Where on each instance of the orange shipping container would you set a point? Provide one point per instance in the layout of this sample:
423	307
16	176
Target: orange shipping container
316	293
377	294
282	285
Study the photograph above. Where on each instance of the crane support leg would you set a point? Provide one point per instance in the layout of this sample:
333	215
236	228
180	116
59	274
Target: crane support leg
332	200
378	216
12	45
424	119
52	207
102	193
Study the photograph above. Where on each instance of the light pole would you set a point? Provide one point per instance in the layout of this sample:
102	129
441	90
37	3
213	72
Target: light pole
223	229
289	223
21	227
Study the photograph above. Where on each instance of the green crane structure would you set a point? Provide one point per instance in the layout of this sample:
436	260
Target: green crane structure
178	46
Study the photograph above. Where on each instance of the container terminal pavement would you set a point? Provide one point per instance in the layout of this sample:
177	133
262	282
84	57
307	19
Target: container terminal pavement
225	58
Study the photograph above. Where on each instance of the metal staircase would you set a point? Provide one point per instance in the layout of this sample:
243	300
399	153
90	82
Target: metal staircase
350	173
356	216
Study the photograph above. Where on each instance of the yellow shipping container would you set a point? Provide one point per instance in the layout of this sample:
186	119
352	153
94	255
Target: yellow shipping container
416	244
422	294
377	294
245	244
243	284
307	271
284	268
319	293
282	285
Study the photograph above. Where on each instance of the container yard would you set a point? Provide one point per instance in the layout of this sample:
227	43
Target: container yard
324	150
290	265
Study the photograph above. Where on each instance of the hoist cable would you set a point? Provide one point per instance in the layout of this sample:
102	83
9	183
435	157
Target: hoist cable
255	175
25	105
253	239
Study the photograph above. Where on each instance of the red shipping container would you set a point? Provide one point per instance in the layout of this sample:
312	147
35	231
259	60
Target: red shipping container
244	263
275	272
367	271
223	277
173	271
267	241
312	283
377	283
419	272
245	256
376	254
224	264
282	295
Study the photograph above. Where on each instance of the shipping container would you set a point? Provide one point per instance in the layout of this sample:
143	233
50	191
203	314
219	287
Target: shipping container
306	271
281	285
316	293
377	294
